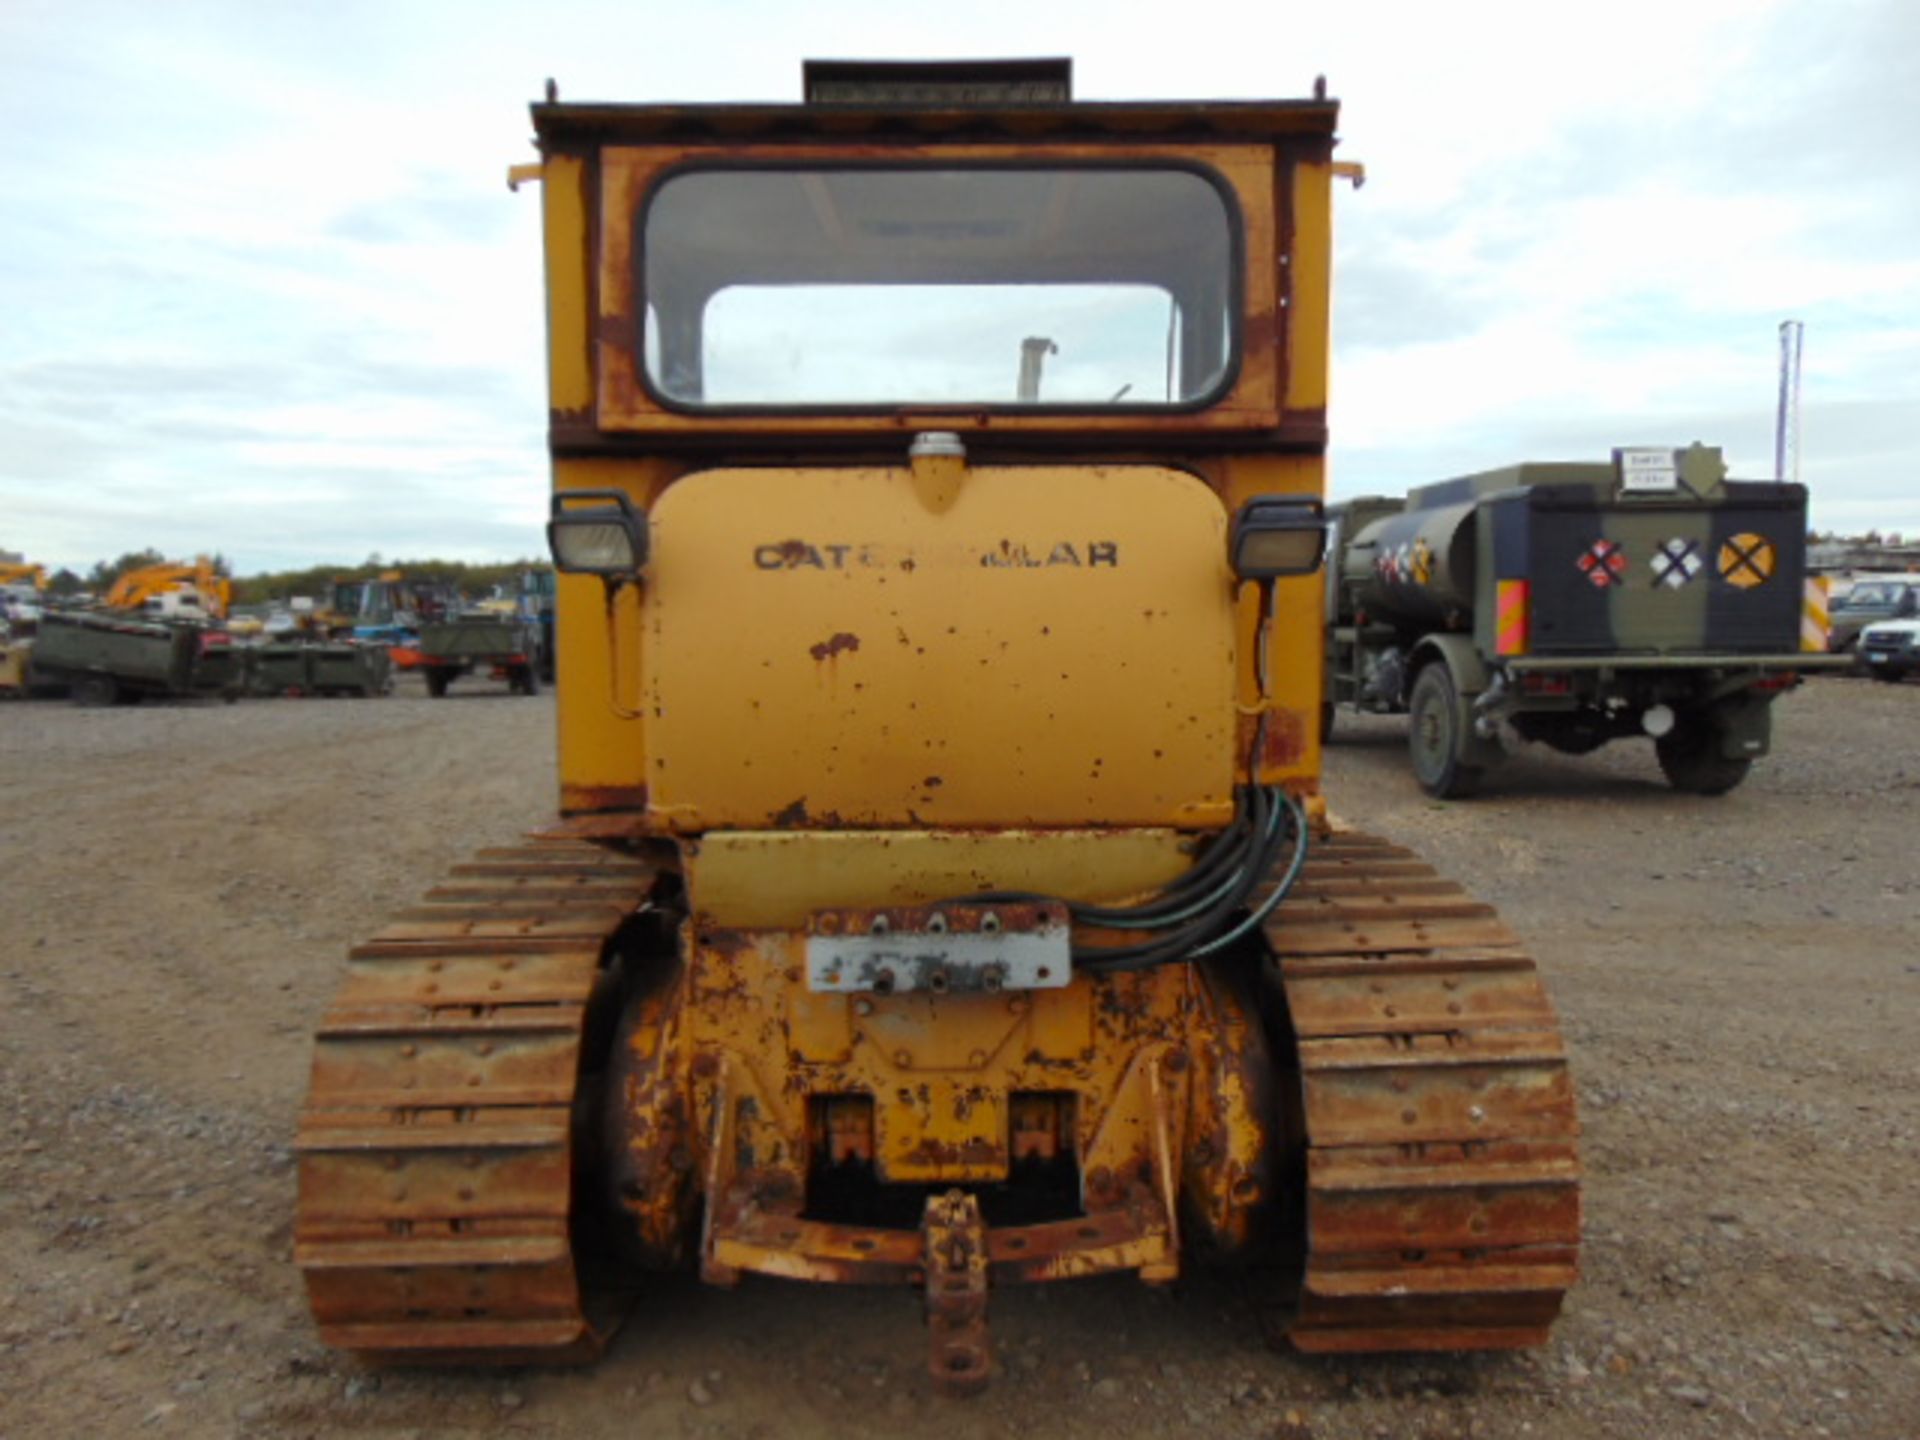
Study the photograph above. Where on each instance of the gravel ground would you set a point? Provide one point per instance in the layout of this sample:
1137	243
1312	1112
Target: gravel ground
1737	978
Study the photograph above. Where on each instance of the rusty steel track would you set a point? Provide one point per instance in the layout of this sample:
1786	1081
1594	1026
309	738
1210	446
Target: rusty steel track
1442	1163
436	1216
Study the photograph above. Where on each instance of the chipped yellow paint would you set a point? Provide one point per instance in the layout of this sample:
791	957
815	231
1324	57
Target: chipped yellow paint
627	174
884	684
1309	309
941	1067
602	737
1053	648
564	216
777	878
1294	676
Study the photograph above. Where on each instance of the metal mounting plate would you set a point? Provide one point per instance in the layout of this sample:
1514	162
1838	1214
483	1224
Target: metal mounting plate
1024	945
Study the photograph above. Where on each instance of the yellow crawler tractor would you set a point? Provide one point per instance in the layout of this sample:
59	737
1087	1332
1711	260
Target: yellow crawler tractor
942	894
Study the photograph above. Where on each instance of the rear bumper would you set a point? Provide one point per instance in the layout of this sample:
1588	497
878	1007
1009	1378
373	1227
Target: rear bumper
747	1238
1726	664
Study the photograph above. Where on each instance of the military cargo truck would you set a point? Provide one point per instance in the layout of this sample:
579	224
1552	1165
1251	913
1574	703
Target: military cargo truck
505	644
106	658
1574	604
331	668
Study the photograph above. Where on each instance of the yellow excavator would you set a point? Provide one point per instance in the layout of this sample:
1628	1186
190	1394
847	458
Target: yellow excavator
197	590
21	584
942	895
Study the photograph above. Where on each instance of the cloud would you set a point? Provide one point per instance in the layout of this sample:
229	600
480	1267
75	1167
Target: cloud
263	290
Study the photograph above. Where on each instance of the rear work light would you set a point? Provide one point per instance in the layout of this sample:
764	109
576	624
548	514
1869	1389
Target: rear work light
1278	535
597	532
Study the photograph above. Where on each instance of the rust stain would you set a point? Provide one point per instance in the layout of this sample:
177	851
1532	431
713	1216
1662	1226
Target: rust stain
576	797
833	645
1283	745
726	945
614	329
974	1153
1286	739
600	825
1261	330
960	1357
794	816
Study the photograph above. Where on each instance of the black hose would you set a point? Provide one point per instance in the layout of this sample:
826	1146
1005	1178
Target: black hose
1204	910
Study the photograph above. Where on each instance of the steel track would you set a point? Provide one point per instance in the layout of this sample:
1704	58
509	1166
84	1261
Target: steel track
436	1218
1442	1163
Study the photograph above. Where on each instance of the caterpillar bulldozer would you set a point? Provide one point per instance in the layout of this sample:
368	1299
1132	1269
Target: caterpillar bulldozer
942	895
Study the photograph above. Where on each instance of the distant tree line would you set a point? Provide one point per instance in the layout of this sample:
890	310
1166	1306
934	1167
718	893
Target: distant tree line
476	580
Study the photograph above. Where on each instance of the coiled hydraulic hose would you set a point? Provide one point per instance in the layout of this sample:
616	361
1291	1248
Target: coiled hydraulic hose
1204	911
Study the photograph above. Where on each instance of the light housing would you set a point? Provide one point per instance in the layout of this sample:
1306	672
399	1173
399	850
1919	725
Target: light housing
597	532
1278	535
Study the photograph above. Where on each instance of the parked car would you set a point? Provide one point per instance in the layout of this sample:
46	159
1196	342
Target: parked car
1891	649
1895	597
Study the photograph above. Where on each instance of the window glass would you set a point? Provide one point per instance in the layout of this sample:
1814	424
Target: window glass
1000	287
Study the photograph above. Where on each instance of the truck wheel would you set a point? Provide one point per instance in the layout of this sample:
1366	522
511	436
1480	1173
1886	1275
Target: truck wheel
1437	737
1690	758
529	680
437	682
96	690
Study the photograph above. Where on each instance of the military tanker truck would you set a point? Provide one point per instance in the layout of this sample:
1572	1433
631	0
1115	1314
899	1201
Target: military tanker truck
1574	604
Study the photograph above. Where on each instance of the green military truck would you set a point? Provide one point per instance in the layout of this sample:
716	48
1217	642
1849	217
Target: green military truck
112	657
1573	604
334	667
507	646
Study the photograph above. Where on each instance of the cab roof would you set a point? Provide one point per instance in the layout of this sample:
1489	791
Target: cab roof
905	101
568	125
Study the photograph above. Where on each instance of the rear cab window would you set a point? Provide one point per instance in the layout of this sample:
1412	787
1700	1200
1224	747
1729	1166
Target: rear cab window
801	287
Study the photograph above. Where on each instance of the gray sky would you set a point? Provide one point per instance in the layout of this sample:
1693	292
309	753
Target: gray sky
263	289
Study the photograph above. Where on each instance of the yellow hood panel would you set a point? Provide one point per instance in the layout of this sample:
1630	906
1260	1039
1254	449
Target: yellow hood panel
1007	646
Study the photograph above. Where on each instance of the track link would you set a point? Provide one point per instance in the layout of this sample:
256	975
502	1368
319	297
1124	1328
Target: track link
1442	1163
437	1149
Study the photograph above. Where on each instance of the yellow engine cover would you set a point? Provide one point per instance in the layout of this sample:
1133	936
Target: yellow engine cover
937	646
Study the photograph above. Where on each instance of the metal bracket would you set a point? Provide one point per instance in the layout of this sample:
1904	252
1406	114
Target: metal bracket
959	1358
1025	945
